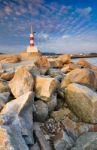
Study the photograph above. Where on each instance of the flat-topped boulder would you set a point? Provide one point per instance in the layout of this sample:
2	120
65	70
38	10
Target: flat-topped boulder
82	101
43	64
22	82
82	76
65	59
10	58
30	55
44	87
54	63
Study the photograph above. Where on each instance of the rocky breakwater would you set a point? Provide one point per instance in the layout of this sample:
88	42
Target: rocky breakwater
49	106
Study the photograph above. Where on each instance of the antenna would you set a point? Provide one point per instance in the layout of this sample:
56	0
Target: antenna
31	28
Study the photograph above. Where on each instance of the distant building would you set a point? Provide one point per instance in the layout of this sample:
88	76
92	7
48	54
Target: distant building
32	48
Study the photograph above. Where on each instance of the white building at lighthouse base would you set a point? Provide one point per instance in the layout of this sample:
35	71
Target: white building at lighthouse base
32	49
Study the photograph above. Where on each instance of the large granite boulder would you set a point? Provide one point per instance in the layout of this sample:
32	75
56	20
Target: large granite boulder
56	73
22	106
11	139
53	72
82	101
69	67
54	63
10	58
65	59
33	69
44	87
43	64
22	82
87	141
81	76
19	105
85	64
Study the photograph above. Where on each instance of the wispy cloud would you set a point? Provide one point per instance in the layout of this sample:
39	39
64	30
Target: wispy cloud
71	44
58	26
84	11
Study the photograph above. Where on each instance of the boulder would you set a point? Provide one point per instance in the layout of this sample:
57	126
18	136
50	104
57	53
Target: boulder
43	64
4	86
65	59
43	143
19	105
69	67
22	82
30	55
82	101
4	97
86	141
52	103
8	120
53	72
54	63
83	63
76	128
22	106
60	114
44	87
34	70
82	76
62	141
41	112
7	74
11	139
56	73
10	58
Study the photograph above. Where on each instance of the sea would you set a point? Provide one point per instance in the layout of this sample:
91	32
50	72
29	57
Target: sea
92	60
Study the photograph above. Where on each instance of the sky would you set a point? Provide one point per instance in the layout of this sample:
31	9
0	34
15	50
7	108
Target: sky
61	26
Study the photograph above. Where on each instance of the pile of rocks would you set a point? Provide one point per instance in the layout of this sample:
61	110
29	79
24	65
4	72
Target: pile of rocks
49	105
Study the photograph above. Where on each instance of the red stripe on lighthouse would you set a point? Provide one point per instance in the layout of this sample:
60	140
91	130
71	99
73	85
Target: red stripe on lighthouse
31	40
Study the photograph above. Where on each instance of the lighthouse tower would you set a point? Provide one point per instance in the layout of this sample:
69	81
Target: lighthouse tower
32	48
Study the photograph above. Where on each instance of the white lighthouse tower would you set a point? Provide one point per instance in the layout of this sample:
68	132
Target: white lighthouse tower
32	48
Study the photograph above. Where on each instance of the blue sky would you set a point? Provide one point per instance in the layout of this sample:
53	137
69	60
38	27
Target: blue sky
62	26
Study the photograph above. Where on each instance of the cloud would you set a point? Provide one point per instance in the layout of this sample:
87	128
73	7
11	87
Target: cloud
84	11
42	36
57	26
8	9
65	36
72	44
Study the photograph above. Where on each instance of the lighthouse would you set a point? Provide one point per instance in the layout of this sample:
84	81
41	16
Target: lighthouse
32	48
